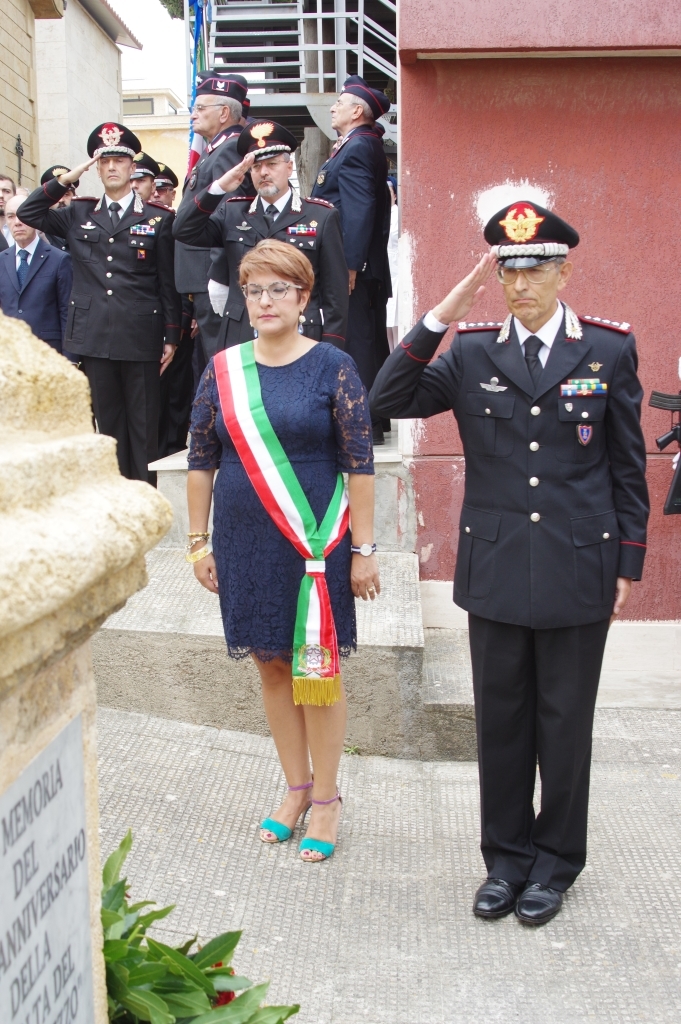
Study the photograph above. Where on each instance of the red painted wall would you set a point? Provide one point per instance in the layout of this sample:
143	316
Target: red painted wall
602	135
478	25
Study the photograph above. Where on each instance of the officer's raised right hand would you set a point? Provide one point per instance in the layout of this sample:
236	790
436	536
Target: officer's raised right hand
466	293
71	177
232	178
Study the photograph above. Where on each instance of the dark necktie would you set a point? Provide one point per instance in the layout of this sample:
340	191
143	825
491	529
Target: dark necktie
270	213
113	213
22	269
532	347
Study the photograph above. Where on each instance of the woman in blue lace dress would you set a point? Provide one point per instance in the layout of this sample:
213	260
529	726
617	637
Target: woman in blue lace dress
319	411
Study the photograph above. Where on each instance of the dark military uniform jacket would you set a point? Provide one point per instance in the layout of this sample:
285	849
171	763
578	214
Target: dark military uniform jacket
193	264
548	522
311	225
353	179
123	304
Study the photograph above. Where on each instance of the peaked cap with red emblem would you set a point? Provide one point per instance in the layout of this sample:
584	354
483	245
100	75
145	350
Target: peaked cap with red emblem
265	139
112	139
524	234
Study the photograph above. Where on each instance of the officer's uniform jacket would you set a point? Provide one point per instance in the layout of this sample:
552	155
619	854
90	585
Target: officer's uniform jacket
353	179
548	522
193	264
123	304
311	225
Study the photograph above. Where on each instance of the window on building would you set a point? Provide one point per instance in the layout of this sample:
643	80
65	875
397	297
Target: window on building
139	105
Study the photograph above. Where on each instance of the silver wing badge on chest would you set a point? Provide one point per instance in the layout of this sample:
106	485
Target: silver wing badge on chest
493	385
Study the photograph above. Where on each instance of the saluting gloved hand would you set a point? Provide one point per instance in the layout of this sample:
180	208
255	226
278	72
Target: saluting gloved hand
218	295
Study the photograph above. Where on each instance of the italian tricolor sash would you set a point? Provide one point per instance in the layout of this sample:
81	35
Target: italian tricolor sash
316	664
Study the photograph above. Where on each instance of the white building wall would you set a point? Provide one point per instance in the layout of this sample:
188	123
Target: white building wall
79	87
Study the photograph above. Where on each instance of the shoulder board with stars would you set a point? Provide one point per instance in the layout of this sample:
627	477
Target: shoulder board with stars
490	325
240	199
615	325
320	202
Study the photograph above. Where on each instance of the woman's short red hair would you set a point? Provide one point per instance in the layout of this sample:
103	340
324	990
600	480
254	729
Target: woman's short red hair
280	259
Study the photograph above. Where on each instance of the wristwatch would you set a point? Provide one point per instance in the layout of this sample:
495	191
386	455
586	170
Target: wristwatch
364	549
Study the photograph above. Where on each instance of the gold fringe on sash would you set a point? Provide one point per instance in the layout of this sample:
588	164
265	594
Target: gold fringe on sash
316	692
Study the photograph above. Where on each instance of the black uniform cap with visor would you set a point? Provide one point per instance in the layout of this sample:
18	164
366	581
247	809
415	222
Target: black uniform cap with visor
524	235
265	139
55	172
112	139
145	167
166	177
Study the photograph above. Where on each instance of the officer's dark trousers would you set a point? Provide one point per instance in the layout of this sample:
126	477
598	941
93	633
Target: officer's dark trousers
367	340
177	393
209	324
125	399
535	692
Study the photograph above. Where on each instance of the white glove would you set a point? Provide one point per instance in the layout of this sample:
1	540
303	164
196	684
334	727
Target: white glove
218	295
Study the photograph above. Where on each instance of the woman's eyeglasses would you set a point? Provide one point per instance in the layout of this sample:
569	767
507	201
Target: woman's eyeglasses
276	291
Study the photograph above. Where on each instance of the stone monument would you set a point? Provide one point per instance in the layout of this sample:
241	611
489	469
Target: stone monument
73	535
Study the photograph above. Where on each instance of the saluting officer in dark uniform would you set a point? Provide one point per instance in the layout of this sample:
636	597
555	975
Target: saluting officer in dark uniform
552	532
312	225
124	314
48	175
143	177
216	116
354	180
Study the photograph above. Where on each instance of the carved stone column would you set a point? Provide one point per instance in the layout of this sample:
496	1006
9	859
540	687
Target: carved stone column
73	534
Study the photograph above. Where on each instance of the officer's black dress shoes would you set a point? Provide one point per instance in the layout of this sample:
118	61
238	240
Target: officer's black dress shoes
495	898
538	904
377	435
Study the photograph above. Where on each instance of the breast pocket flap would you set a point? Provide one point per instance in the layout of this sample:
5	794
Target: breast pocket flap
595	529
486	403
81	302
246	237
581	410
477	523
87	236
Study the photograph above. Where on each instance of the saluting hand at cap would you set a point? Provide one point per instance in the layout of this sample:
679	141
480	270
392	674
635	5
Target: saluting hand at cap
232	178
466	293
71	177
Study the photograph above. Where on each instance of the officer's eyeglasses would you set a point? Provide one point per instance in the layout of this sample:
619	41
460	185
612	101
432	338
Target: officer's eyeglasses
533	275
198	107
276	291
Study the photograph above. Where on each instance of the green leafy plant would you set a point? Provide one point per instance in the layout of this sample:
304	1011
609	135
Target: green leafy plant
149	981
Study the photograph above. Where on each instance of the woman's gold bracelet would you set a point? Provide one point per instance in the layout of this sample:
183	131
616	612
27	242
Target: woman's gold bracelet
196	556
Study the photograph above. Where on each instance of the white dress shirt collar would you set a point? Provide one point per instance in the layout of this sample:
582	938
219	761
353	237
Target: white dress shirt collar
280	203
30	249
125	202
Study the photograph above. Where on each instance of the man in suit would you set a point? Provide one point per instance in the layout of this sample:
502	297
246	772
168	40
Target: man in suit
276	211
7	190
216	116
552	533
124	311
354	180
35	280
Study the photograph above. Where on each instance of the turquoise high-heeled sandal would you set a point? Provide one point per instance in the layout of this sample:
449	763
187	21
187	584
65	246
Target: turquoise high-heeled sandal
317	845
277	828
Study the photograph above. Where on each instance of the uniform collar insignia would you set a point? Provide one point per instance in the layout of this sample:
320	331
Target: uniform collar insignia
505	330
296	205
138	204
573	328
254	205
99	205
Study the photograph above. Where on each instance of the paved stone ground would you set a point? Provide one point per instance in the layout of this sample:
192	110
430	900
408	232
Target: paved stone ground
383	933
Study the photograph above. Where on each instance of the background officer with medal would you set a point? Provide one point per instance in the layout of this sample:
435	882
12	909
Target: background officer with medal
217	116
552	532
354	180
124	311
312	225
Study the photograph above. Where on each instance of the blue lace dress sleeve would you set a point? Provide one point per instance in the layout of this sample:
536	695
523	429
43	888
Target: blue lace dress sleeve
351	420
205	447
